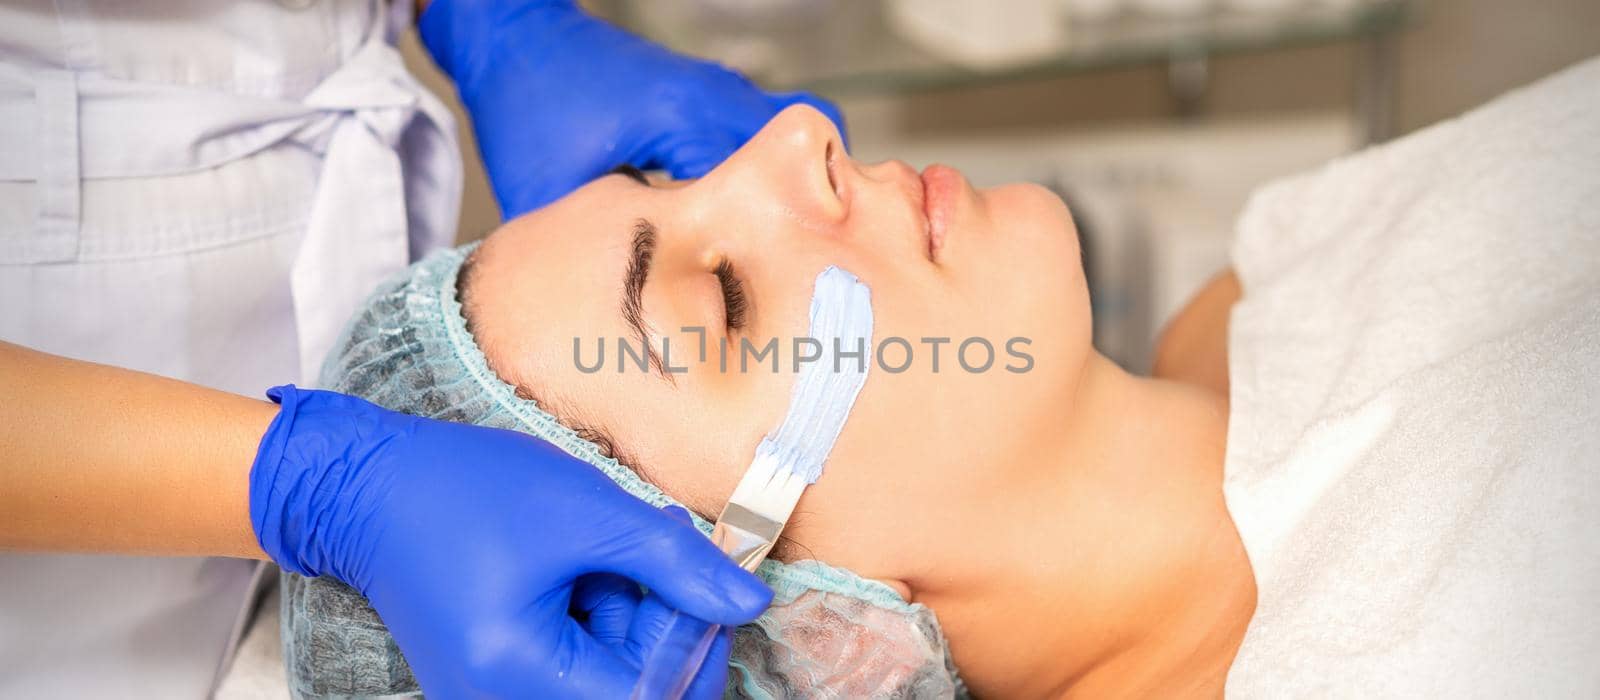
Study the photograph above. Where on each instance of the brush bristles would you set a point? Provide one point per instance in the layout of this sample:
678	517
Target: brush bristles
769	487
791	457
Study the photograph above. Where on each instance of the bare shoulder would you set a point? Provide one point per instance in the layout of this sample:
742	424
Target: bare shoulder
1193	348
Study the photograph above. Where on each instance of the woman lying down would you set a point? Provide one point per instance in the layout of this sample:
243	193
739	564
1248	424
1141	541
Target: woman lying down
1365	464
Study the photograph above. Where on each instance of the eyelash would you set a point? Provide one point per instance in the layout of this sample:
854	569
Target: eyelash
734	301
735	304
632	172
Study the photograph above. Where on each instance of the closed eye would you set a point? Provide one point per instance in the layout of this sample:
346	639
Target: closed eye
632	172
735	303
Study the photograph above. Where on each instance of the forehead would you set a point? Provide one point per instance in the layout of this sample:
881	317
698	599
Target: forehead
555	275
550	284
553	279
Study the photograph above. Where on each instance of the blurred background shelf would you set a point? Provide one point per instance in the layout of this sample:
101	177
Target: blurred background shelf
1153	199
845	48
1154	119
850	46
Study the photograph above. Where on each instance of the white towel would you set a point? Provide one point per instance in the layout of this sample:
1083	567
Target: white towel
1414	452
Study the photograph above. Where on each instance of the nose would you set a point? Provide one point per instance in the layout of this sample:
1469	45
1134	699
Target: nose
798	158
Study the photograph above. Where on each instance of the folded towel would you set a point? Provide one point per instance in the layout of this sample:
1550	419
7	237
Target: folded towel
1414	449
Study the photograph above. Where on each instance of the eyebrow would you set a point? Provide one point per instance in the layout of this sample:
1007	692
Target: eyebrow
598	434
640	257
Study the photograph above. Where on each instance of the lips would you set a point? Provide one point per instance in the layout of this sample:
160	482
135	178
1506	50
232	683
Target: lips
941	185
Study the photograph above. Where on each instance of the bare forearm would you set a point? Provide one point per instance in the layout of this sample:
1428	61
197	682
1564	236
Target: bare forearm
1194	346
96	458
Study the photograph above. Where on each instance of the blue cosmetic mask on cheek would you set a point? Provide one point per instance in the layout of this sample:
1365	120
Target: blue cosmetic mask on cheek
829	632
827	386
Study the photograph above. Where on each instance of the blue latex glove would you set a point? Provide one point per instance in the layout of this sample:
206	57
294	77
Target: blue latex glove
616	612
559	98
478	547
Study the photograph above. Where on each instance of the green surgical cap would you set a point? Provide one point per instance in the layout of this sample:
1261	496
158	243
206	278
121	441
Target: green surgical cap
829	632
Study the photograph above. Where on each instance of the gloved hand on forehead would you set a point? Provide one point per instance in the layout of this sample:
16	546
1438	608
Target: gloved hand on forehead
503	566
558	98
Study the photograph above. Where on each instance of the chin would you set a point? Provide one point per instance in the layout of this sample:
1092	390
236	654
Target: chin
1036	235
1035	213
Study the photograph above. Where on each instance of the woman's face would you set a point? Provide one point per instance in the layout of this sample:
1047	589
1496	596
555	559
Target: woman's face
736	253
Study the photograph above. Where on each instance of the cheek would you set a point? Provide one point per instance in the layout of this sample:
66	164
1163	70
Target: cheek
696	438
680	447
947	427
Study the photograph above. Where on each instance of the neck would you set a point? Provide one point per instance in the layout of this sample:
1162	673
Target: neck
1114	568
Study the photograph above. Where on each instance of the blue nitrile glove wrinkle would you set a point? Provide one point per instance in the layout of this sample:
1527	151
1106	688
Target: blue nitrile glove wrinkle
558	98
477	546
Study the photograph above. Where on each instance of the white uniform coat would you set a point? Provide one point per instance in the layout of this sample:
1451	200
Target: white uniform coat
203	190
